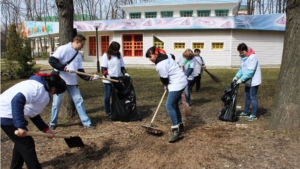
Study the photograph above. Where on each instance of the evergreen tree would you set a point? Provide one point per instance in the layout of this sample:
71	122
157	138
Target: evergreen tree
13	44
19	61
26	66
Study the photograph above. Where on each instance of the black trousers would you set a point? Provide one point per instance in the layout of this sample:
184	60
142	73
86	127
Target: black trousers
23	151
197	81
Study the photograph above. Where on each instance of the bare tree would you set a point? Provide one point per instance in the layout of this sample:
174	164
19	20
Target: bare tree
285	114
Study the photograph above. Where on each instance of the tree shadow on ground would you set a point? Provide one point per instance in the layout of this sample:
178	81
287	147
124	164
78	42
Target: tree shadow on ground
199	101
95	110
263	112
69	124
194	122
145	111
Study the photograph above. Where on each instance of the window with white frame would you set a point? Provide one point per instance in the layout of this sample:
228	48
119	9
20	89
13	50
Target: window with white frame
222	12
166	14
203	13
136	15
150	14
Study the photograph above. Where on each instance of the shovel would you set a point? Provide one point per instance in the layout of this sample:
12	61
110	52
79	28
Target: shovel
86	74
150	128
71	141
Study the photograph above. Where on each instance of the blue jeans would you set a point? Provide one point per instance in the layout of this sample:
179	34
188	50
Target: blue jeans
188	89
250	97
107	94
173	107
74	92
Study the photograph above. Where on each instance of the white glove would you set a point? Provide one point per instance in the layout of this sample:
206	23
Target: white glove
235	78
95	77
239	81
126	74
166	87
70	70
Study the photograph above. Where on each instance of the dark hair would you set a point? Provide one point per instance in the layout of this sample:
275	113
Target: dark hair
57	82
242	47
150	51
197	50
113	49
80	38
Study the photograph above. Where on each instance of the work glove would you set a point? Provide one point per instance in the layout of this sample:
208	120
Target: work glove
235	78
166	87
126	74
239	81
95	77
70	70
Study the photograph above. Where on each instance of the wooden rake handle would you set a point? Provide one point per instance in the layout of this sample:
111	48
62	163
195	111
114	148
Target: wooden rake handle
86	74
162	98
32	133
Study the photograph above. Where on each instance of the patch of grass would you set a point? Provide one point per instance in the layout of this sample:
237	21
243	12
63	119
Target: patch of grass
149	90
148	86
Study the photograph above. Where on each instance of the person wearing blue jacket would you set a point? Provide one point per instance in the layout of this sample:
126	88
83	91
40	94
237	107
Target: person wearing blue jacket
27	99
249	72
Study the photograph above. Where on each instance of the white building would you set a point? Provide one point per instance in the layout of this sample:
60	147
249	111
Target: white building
210	25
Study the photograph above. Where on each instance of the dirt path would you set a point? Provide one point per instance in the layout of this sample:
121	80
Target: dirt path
207	143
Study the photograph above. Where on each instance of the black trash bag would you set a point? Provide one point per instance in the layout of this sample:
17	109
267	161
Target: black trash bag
123	105
228	112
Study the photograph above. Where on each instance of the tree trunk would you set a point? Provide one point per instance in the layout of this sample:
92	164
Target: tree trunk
66	16
285	113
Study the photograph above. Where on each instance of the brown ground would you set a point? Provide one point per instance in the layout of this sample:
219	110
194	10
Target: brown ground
208	143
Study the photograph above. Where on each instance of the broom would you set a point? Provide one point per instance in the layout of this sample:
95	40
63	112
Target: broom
213	77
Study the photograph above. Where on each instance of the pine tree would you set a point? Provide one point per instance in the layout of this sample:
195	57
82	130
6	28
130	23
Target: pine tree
19	61
13	44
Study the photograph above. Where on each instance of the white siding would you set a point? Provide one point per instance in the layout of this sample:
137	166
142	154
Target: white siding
85	51
268	45
213	58
177	8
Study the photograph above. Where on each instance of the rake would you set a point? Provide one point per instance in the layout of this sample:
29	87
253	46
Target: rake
150	128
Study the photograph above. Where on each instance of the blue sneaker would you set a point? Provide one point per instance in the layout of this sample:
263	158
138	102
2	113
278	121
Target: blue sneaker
251	118
243	114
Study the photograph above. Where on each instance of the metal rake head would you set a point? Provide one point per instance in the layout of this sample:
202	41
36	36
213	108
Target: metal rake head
152	130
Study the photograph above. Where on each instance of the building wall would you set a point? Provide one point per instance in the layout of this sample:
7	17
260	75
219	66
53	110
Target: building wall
85	51
215	58
232	7
268	45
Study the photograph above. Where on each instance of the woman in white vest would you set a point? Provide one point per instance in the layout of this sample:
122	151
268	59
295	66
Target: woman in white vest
112	65
250	74
174	81
27	100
